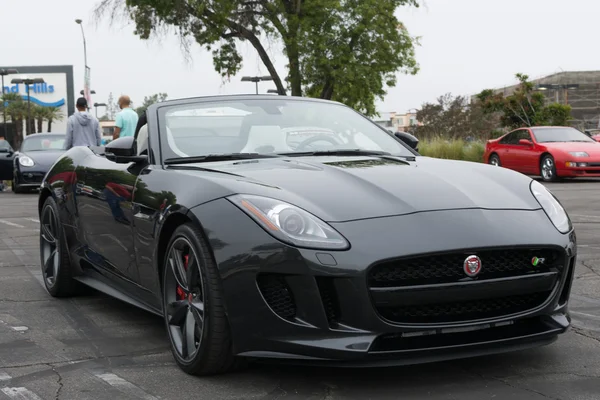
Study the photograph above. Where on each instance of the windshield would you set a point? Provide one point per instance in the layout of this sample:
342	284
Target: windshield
269	126
4	145
547	135
41	143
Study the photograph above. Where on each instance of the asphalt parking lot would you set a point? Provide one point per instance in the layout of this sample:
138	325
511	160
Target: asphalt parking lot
94	347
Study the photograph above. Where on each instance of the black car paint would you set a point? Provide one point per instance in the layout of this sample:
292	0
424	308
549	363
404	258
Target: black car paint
385	209
7	155
31	177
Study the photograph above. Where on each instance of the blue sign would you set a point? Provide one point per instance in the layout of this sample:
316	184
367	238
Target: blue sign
37	88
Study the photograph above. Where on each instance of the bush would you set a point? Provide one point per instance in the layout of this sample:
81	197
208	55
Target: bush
452	149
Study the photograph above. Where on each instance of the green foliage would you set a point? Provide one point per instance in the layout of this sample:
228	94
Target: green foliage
452	149
555	115
345	50
525	107
149	100
454	118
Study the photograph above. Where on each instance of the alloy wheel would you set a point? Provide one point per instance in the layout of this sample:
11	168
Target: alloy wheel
50	246
494	161
184	299
547	168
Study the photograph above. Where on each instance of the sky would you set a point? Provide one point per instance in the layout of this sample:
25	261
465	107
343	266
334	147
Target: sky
465	46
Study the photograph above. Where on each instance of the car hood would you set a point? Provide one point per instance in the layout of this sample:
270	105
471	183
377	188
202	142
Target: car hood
44	158
592	148
348	188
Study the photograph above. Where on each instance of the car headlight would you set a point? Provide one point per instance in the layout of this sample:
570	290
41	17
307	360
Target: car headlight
552	207
579	154
26	161
289	223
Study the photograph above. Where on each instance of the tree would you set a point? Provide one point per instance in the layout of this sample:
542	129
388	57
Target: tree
149	100
53	114
112	108
17	111
454	118
345	50
525	107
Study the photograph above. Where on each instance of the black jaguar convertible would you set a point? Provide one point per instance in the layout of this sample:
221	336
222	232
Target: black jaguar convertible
271	227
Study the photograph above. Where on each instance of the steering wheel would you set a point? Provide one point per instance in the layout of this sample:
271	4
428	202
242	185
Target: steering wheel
318	138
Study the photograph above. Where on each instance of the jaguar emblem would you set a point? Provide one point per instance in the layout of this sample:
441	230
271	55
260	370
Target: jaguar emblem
472	266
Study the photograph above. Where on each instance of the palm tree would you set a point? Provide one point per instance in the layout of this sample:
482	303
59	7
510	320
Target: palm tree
53	114
17	111
39	115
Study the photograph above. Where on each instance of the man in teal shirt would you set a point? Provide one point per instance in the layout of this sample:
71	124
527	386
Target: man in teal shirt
126	120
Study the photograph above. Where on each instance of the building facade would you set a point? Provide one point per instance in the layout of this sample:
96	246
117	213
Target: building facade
397	121
579	89
57	90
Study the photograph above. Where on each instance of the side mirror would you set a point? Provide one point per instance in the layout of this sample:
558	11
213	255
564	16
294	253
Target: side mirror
122	151
409	139
525	142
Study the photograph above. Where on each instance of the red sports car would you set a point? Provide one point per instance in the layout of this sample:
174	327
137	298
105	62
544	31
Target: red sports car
551	152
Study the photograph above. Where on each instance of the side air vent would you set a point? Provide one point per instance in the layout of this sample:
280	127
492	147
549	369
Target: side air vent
330	300
278	295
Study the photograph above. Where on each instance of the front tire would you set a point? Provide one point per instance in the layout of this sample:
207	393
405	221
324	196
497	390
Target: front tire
193	305
15	185
54	256
548	169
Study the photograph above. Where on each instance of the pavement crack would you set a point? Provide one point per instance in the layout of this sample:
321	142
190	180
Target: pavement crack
507	383
523	388
60	382
581	332
592	270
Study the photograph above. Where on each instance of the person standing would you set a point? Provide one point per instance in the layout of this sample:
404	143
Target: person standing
83	129
126	120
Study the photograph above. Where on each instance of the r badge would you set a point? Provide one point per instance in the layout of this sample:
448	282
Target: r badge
472	266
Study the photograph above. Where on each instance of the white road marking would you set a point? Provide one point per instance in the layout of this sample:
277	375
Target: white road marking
585	216
4	376
20	393
125	386
3	221
33	219
20	328
592	316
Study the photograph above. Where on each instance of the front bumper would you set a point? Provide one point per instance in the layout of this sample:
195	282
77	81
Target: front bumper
305	305
591	169
30	177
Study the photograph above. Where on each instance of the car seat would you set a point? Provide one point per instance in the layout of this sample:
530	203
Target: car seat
268	137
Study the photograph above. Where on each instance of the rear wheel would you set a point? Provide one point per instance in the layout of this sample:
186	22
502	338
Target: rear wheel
548	169
193	306
54	256
495	160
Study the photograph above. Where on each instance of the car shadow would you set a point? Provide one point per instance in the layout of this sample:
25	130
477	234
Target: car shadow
314	380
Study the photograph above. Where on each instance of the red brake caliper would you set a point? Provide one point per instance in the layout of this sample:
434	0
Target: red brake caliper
180	292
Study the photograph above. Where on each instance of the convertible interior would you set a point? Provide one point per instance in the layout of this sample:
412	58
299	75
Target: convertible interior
196	135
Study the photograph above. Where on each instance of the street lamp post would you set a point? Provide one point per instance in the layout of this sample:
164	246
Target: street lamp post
86	76
3	73
256	79
28	82
96	105
82	92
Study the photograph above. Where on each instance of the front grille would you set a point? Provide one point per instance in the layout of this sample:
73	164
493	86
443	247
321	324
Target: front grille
464	310
32	177
278	295
429	274
447	268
